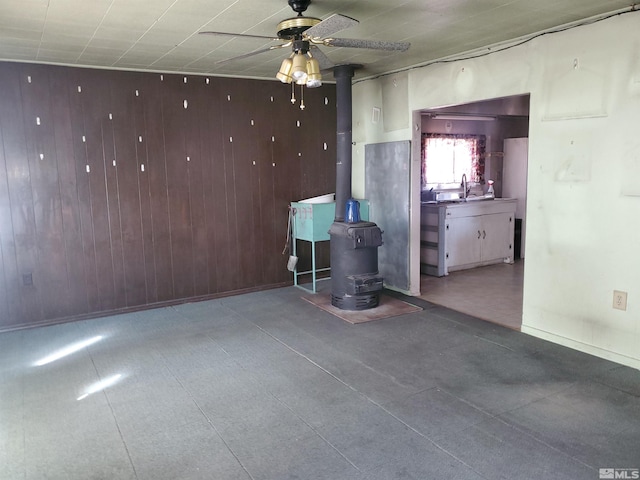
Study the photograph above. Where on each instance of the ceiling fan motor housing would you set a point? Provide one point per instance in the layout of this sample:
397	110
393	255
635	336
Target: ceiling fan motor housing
299	6
294	27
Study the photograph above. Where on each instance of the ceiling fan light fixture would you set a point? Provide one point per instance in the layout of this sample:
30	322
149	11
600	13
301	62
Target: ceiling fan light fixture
284	74
299	70
314	78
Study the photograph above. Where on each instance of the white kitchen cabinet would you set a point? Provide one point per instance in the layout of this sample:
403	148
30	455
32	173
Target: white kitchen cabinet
497	237
462	240
466	235
479	240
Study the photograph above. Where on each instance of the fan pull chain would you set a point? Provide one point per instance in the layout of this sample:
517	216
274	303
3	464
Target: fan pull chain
293	92
301	97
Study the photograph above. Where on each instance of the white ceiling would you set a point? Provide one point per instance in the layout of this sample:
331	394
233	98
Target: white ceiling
162	35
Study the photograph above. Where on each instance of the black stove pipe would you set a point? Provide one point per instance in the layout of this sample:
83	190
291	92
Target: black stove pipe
343	75
355	280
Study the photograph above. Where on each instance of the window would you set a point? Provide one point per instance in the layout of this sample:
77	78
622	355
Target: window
445	158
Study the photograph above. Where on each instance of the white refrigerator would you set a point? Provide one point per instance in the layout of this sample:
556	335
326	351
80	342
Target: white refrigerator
514	179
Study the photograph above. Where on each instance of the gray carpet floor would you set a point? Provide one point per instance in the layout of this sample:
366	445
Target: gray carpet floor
268	386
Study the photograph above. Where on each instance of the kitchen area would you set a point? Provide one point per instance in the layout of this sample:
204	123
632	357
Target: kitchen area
473	204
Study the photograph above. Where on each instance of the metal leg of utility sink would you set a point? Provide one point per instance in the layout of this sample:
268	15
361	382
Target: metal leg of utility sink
295	269
313	270
313	265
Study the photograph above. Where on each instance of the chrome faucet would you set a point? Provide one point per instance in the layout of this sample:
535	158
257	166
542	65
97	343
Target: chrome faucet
464	186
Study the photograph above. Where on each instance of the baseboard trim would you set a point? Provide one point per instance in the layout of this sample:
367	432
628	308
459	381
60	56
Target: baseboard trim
139	308
582	347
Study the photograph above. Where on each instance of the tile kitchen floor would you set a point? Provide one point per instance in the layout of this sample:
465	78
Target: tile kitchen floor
492	293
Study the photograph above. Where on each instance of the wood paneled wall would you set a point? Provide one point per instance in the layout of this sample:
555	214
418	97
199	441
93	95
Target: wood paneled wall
120	190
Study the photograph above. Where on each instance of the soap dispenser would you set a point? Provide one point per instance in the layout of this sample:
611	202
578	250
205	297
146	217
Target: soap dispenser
490	192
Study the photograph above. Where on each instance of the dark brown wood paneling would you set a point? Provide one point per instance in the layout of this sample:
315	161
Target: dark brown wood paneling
262	188
23	245
207	215
127	144
226	229
76	287
144	181
178	187
196	95
83	190
243	129
214	189
10	309
158	193
39	121
273	235
94	96
110	159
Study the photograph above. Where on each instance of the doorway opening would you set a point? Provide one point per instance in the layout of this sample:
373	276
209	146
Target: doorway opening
491	292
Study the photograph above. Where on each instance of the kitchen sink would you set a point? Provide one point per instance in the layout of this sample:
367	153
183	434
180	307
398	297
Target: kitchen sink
472	199
477	198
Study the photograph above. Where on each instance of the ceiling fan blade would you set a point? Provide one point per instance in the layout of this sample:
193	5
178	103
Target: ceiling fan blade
251	54
330	25
372	44
261	37
323	60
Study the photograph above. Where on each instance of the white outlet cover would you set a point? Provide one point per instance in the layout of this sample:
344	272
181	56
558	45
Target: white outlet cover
619	300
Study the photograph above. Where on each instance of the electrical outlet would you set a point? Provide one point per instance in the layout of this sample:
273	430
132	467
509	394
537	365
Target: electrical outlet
619	300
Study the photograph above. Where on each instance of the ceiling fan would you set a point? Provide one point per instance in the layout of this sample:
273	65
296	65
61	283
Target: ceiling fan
304	35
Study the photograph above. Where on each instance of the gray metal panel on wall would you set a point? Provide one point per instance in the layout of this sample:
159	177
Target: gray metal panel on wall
387	181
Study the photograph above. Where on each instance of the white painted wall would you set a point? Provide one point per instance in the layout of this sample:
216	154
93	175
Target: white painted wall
583	209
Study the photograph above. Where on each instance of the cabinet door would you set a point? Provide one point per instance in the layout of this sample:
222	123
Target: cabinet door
463	240
496	236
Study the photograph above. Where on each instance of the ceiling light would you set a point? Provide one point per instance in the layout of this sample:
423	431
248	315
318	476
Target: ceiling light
299	71
284	74
314	79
